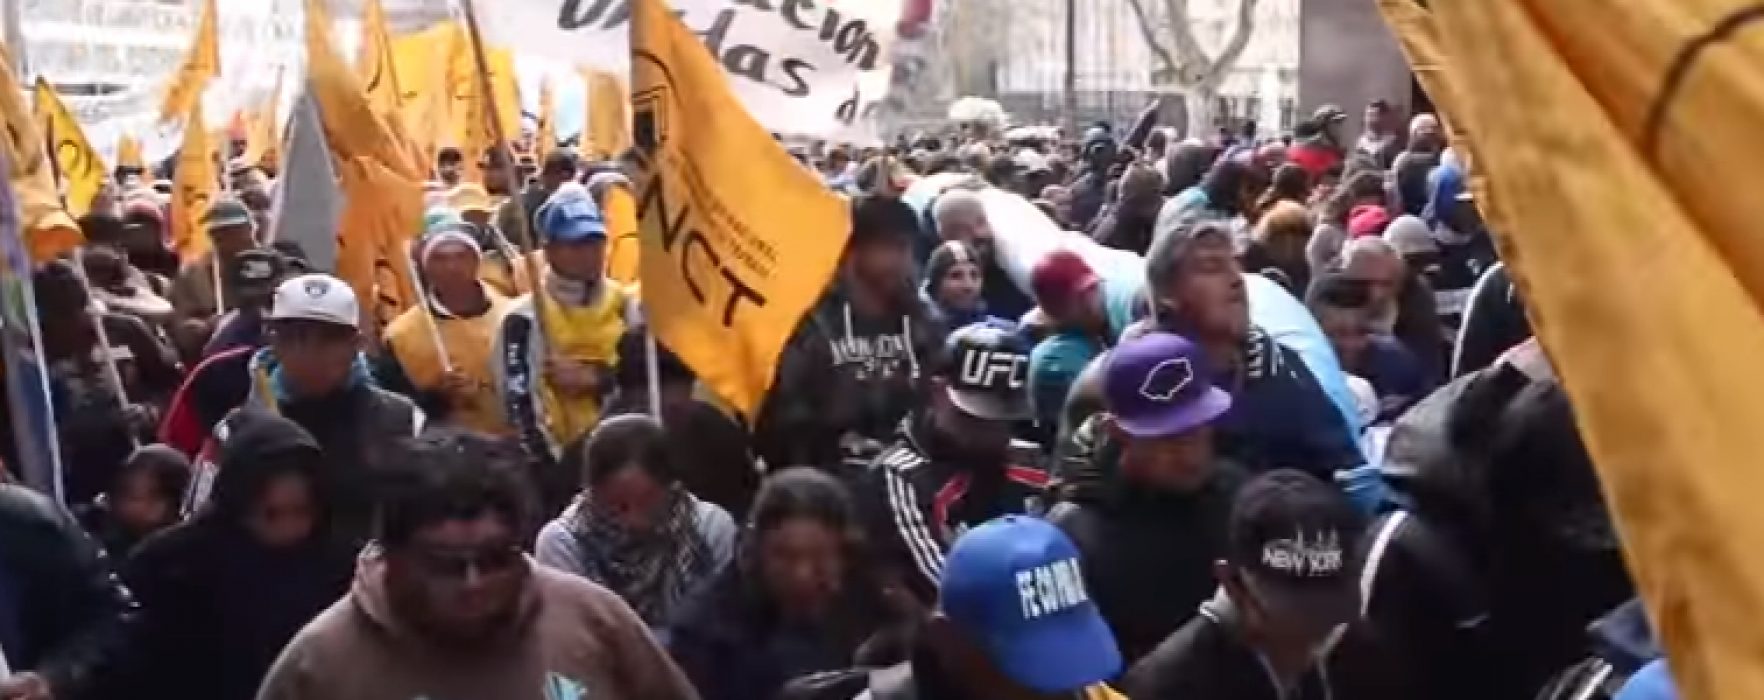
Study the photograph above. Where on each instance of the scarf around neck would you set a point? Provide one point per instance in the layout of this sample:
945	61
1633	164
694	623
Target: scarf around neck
654	570
567	291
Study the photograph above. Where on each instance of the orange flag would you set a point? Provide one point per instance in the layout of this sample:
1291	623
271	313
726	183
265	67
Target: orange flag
201	63
192	188
545	137
374	64
128	152
48	230
381	177
713	186
608	133
1622	192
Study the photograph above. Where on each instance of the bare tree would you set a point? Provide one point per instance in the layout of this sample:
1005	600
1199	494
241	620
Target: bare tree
1182	65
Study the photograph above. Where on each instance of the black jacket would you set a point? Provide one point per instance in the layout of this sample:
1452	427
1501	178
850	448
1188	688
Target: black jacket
216	606
61	608
1207	658
917	501
845	376
732	646
1494	322
1491	465
355	427
1148	556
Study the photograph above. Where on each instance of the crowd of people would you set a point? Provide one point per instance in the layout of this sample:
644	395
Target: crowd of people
963	483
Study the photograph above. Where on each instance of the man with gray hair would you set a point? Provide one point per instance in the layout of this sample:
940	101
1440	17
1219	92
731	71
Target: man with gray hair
1280	415
1399	301
960	215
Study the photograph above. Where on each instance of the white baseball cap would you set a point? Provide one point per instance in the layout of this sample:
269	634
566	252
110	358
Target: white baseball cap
315	297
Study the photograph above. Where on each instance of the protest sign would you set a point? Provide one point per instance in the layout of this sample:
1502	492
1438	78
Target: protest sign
808	67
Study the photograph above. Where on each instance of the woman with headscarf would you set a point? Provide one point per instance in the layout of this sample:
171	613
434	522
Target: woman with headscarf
222	593
799	598
635	529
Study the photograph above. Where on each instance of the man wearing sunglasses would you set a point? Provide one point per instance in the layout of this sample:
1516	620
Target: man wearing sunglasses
448	606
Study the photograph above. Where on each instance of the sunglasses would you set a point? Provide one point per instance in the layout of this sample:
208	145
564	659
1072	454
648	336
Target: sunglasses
457	565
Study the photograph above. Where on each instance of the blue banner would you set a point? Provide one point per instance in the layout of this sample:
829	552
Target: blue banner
27	379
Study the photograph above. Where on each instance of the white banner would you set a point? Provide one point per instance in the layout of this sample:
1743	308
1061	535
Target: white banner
808	67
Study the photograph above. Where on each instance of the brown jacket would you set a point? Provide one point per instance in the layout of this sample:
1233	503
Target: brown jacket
574	640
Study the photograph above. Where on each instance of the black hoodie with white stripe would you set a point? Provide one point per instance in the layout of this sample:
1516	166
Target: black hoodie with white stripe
916	503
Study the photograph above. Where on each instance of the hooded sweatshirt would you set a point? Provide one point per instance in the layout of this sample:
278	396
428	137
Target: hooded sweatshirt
354	424
569	639
216	605
846	376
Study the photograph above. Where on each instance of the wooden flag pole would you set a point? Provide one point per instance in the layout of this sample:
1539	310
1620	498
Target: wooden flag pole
422	298
111	373
523	224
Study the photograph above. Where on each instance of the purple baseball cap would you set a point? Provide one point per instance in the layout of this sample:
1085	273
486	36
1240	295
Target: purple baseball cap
1156	386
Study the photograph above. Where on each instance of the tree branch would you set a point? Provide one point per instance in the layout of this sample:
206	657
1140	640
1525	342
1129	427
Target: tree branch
1167	69
1240	36
1192	62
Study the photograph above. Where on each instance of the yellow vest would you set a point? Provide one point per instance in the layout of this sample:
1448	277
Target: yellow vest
468	342
505	277
588	334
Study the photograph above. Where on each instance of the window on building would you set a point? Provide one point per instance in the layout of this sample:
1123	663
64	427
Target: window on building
1288	114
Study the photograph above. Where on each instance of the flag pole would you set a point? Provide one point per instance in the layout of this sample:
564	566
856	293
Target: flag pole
111	373
226	183
422	299
653	368
523	223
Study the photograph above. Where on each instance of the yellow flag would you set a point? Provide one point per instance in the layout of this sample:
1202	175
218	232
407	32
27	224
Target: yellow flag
263	137
545	137
374	64
608	133
1621	190
382	211
201	63
421	62
128	153
82	171
192	188
471	123
622	246
352	127
738	239
382	180
48	230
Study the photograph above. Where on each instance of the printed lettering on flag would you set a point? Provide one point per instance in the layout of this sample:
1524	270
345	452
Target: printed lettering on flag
737	239
810	67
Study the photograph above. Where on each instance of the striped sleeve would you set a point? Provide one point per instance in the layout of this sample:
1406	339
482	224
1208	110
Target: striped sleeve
912	528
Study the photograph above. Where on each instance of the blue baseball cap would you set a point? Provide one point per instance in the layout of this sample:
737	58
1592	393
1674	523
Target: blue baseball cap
1156	386
570	216
1015	587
